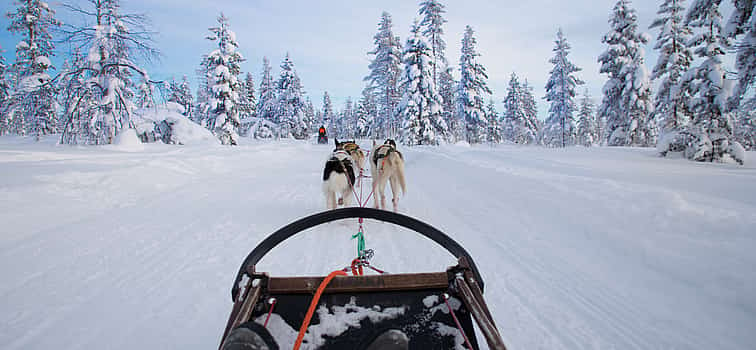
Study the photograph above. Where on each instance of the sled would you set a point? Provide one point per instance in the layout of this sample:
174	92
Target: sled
322	137
372	312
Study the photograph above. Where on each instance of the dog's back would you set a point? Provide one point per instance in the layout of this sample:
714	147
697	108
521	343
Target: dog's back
388	162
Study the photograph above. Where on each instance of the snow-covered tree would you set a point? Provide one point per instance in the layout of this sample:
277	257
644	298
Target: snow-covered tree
586	122
745	127
420	108
310	118
626	104
181	94
33	104
4	94
290	103
495	130
365	114
247	100
327	115
446	87
202	106
712	127
114	41
519	119
560	92
145	97
432	23
472	85
531	127
383	79
266	104
674	60
743	22
223	65
345	122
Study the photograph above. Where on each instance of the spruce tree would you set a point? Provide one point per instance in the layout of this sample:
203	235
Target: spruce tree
266	104
560	92
674	60
290	103
712	127
4	94
420	108
446	88
432	23
495	130
223	66
327	115
180	93
742	24
472	86
33	103
626	104
384	76
365	114
586	122
530	129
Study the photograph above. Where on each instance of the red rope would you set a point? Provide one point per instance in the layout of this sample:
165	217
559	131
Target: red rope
313	304
272	305
459	326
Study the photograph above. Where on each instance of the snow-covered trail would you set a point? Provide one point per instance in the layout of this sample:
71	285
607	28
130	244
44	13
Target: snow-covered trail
580	248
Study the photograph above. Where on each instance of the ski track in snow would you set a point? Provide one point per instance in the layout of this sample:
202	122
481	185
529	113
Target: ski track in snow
606	248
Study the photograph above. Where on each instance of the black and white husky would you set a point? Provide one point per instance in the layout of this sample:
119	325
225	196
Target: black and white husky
338	177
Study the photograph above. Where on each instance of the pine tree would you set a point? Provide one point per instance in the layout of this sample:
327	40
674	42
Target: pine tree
743	22
266	104
327	115
712	127
745	129
223	66
33	103
560	92
247	100
472	85
384	77
181	94
674	60
310	118
586	122
446	89
145	94
420	109
626	104
365	114
290	104
4	94
530	128
514	111
107	73
495	130
432	12
202	111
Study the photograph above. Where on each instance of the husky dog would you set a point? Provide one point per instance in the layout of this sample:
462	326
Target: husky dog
355	152
338	177
387	164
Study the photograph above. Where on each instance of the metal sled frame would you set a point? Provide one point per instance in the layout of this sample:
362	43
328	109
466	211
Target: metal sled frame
462	281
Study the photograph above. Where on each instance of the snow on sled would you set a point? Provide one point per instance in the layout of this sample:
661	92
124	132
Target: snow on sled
370	312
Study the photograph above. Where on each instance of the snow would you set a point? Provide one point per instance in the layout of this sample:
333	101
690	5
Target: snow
127	141
580	248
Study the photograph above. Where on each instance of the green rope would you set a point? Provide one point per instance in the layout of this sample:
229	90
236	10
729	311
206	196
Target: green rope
360	242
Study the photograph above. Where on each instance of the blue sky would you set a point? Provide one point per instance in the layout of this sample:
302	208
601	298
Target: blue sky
328	40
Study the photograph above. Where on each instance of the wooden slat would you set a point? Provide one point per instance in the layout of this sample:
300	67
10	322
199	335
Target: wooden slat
478	310
348	284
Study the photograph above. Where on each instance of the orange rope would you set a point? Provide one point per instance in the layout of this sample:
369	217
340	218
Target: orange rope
313	304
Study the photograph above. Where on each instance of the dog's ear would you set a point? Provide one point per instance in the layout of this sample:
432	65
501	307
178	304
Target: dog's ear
336	142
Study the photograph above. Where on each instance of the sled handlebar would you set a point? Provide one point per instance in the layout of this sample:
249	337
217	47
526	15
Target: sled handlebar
300	225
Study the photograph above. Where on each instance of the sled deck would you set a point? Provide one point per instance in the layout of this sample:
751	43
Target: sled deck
370	312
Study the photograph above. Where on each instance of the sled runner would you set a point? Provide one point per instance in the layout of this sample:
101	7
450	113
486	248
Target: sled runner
371	312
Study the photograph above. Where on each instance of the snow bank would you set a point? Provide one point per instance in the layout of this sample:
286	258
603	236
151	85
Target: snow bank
128	141
166	123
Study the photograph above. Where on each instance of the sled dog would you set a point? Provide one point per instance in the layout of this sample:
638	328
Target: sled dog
354	150
387	165
338	178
